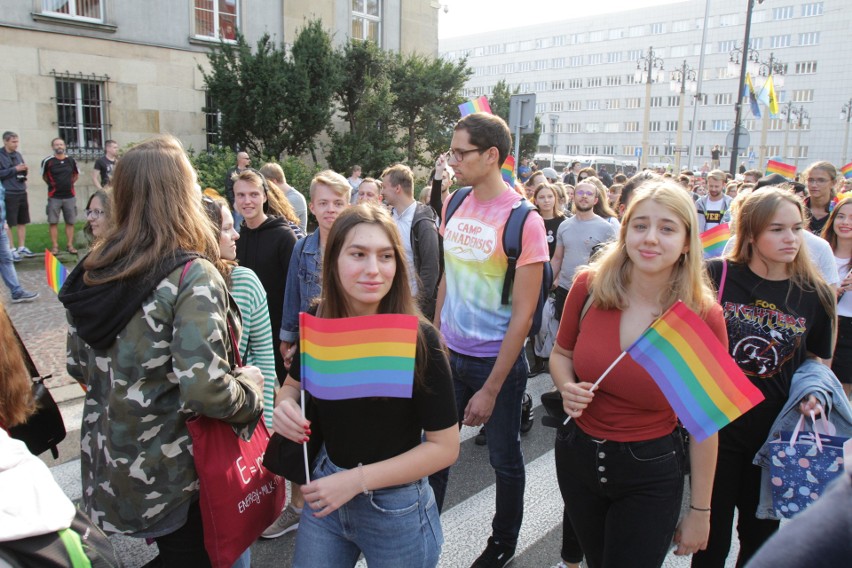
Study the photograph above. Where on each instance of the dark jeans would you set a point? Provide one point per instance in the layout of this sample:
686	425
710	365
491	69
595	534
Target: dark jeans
185	546
623	498
737	485
504	439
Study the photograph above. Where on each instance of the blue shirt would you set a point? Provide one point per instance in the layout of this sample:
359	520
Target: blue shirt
304	283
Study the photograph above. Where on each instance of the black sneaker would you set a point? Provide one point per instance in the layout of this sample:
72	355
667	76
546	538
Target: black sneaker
526	413
495	555
479	440
24	296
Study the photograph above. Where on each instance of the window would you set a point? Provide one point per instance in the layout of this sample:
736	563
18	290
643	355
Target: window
628	150
540	86
593	104
593	127
219	19
610	127
595	58
634	102
573	149
526	45
575	61
511	47
699	151
596	36
708	49
572	106
803	151
636	31
366	19
590	150
558	62
722	99
574	39
776	124
654	126
806	67
557	85
779	41
809	38
558	41
783	13
773	150
758	16
679	51
540	64
614	57
493	49
682	26
629	79
612	104
80	111
658	28
727	46
594	82
542	43
571	127
631	126
575	83
91	10
613	80
812	9
509	68
729	20
556	106
616	33
478	51
656	102
525	66
212	121
674	100
721	125
608	150
803	96
671	126
540	108
634	55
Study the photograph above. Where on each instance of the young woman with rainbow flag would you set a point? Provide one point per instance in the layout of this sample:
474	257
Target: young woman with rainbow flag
620	460
368	488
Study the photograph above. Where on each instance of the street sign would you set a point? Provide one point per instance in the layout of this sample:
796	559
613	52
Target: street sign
638	152
522	114
743	142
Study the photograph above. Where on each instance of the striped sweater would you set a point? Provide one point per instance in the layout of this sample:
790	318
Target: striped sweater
256	338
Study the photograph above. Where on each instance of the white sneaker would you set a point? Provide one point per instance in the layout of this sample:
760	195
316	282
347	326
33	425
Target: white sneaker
286	522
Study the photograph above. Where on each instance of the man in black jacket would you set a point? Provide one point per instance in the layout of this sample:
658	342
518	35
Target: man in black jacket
416	222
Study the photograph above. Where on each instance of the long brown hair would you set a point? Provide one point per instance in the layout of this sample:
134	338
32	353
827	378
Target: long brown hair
213	208
753	217
398	300
16	394
828	232
157	212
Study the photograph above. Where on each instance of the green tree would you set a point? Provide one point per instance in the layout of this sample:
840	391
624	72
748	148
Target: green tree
500	101
366	103
427	93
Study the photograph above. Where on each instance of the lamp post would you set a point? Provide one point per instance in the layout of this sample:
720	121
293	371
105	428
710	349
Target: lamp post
846	114
771	70
804	121
683	79
738	107
649	69
554	120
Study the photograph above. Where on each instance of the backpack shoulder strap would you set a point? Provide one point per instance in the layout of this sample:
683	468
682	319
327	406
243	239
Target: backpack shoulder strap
512	242
454	201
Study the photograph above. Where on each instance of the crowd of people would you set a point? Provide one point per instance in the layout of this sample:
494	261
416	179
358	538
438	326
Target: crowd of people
150	311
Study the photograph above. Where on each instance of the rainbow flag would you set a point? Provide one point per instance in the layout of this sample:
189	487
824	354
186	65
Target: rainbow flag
358	357
698	377
786	170
508	170
713	240
479	104
56	272
847	170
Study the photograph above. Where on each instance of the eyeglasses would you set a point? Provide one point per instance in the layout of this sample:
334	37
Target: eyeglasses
95	213
583	193
458	155
818	180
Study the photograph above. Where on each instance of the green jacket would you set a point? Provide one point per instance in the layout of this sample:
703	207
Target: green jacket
169	363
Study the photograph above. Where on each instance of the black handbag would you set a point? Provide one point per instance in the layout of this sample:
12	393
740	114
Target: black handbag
286	458
554	415
45	429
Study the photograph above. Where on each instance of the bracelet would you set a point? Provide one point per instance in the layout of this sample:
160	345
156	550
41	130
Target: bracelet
694	508
364	489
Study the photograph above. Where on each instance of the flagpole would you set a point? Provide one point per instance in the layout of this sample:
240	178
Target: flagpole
305	445
605	373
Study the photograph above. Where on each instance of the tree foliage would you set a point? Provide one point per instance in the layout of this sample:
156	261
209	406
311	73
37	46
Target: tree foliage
500	101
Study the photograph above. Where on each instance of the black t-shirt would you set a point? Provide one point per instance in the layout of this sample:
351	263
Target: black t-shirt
370	430
104	165
771	327
550	227
59	176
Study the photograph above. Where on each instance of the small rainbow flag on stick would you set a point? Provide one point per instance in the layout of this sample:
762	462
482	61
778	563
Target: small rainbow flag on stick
479	104
358	357
786	170
508	170
713	240
56	272
698	377
847	170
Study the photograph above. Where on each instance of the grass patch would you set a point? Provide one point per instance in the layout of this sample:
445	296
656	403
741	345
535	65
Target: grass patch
38	237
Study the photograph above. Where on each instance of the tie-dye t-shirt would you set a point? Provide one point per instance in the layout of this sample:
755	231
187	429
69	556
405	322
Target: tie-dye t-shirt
472	319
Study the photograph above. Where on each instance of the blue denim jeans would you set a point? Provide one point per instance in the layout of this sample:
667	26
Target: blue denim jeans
7	266
395	526
504	439
623	498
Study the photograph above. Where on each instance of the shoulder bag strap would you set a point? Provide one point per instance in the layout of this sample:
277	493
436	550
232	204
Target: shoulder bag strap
722	281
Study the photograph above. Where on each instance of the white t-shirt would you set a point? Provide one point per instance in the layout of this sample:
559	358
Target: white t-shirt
844	304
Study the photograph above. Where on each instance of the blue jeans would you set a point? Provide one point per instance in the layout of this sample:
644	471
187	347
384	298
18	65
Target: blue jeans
395	526
7	266
623	498
504	439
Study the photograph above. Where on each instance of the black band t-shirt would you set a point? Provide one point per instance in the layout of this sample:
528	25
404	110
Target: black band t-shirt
104	166
59	175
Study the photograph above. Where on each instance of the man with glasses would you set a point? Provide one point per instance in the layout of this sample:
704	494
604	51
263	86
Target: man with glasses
486	338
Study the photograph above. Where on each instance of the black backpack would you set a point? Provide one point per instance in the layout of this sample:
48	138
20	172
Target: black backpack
512	238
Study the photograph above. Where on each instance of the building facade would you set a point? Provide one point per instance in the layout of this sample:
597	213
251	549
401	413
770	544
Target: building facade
590	101
93	70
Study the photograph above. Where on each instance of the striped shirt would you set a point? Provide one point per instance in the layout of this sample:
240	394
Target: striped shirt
256	339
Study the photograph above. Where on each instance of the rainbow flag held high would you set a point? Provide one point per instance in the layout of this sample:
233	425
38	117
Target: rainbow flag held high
508	170
56	272
358	357
786	170
698	377
479	104
713	240
847	171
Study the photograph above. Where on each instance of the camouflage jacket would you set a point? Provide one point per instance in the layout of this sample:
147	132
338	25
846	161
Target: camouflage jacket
169	363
